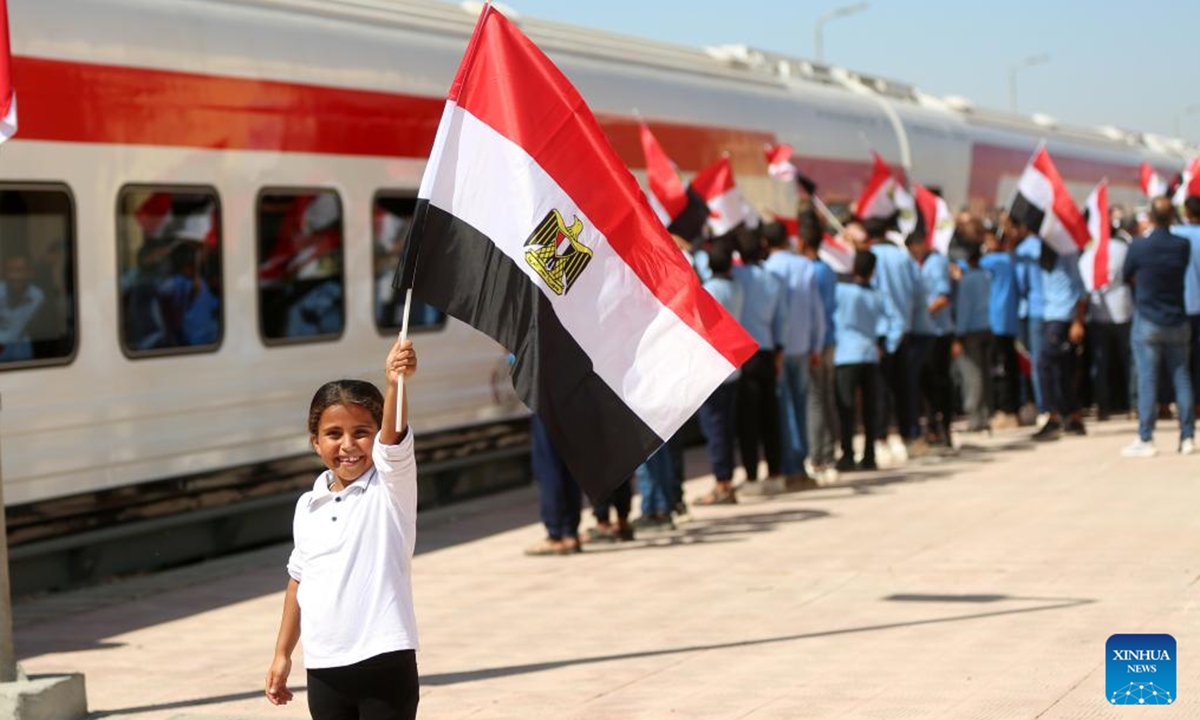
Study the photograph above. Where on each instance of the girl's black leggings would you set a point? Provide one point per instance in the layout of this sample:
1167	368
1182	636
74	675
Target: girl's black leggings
383	687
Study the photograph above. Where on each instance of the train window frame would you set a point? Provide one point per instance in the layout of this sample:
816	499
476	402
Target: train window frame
258	259
73	239
118	215
389	331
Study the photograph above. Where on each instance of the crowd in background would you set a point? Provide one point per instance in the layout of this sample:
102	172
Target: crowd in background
998	330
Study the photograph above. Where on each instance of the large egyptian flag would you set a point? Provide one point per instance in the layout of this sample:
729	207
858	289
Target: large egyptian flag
530	228
1044	205
1095	211
726	204
8	95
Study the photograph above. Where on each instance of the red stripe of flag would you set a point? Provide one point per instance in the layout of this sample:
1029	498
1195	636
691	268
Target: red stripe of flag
880	175
8	94
1101	231
1064	207
571	147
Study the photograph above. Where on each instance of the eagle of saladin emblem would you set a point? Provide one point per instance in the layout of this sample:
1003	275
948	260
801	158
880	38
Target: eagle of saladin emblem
554	251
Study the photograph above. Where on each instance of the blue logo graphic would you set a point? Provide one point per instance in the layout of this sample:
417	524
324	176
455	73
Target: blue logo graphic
1140	670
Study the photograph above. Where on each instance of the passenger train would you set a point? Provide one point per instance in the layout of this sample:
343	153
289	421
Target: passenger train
206	198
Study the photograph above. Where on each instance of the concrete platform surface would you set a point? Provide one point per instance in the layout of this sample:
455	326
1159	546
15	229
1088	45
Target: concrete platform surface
980	586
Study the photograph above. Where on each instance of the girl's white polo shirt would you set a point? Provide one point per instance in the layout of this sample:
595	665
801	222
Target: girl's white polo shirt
353	560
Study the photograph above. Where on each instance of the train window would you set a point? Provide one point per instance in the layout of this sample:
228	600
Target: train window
391	219
169	265
37	276
300	277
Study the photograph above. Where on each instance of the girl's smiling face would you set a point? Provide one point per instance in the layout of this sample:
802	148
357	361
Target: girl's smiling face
345	436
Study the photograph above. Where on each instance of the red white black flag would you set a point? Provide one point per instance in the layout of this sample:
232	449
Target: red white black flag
1152	183
667	194
935	217
884	196
8	94
530	228
727	208
1095	211
1044	205
1189	183
782	166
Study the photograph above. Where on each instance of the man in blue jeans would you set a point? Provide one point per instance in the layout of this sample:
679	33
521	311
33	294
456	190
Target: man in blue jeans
1155	266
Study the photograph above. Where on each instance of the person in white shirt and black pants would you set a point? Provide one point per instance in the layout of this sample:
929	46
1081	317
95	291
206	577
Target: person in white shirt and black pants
350	593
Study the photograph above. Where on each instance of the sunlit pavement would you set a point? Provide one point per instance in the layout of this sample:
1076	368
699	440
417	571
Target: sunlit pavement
979	586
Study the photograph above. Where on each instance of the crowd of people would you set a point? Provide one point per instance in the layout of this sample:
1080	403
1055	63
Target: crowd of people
998	329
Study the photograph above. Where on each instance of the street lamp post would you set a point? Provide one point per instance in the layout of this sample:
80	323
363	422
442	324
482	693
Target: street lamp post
818	39
1012	76
1187	110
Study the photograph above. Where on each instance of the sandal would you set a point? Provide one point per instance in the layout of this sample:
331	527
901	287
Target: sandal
717	496
601	533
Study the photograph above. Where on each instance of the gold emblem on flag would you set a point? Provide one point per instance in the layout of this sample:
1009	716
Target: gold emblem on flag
554	251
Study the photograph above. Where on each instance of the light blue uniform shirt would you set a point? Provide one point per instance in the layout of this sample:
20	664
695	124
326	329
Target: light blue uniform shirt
935	276
700	265
1191	278
859	312
1032	303
827	286
1063	289
763	312
804	331
1003	304
971	306
729	294
899	283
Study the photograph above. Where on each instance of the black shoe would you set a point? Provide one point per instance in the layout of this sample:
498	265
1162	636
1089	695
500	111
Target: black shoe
1075	427
1052	430
845	464
867	464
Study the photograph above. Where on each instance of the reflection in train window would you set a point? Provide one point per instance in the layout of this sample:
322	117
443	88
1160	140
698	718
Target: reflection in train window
37	276
390	222
169	260
300	279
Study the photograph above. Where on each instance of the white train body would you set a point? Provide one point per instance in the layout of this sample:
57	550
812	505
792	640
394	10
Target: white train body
233	91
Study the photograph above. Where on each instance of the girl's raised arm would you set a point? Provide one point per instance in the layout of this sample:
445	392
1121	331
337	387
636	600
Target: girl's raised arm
401	363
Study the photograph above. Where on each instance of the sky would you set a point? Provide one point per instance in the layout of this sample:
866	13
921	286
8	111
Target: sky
1112	62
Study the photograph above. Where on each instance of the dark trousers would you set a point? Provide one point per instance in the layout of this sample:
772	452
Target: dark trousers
716	422
976	368
1056	368
1110	371
1194	321
890	393
915	349
758	414
561	498
620	499
937	387
383	687
1006	374
861	379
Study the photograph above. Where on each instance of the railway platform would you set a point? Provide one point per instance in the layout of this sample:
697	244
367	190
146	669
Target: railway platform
983	585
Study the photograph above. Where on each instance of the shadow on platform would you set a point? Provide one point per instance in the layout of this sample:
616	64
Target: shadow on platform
467	676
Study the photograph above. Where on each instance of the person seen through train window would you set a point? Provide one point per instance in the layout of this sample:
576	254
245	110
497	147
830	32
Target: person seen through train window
349	596
190	307
20	300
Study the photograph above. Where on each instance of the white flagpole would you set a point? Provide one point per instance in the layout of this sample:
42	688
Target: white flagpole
829	216
400	383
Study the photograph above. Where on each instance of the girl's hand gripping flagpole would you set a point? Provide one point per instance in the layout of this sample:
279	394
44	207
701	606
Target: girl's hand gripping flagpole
400	381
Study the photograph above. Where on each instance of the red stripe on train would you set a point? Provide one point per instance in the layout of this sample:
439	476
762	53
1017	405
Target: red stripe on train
66	101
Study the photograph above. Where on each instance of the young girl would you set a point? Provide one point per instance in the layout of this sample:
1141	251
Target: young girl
350	593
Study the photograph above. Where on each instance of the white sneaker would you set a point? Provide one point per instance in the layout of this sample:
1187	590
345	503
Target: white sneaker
1187	446
1140	449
